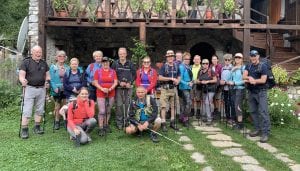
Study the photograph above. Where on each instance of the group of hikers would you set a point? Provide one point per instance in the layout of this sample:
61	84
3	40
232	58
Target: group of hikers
201	90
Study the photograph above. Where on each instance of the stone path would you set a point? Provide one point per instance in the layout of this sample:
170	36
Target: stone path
230	148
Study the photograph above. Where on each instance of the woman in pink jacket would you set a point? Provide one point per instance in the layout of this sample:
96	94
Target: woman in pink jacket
80	118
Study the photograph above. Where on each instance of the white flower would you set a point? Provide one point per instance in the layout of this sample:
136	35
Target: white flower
272	104
289	105
282	104
298	117
281	110
281	119
282	123
291	111
276	104
275	95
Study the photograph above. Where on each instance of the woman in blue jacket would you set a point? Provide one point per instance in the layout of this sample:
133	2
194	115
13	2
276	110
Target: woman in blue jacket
57	72
238	87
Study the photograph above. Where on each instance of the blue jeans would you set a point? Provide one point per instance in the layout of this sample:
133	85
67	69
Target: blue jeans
187	104
258	106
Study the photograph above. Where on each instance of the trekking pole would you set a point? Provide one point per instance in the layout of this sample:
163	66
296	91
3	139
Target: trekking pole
128	108
44	114
106	114
22	106
175	108
124	110
202	107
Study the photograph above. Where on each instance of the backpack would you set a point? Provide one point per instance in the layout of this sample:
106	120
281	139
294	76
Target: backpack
141	72
189	70
167	68
270	82
75	105
82	75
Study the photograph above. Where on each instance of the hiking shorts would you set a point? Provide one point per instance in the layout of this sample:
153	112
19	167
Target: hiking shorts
34	96
167	97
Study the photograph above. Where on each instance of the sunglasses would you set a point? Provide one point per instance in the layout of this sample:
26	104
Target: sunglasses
252	55
146	62
187	59
227	59
204	63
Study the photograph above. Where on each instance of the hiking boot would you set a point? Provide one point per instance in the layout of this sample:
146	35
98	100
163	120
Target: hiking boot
107	129
208	123
173	125
198	114
153	137
192	113
164	127
264	138
37	129
239	126
101	132
89	139
138	134
254	133
56	125
24	133
119	127
186	123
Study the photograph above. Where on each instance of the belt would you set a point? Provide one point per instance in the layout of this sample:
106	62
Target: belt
37	86
168	86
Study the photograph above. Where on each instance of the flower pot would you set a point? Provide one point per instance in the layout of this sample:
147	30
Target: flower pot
100	14
208	14
62	13
122	15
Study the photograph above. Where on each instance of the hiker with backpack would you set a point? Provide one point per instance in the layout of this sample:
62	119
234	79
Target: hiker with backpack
105	81
57	72
196	92
90	72
255	75
146	76
35	77
169	77
143	115
227	89
80	118
74	80
185	86
207	80
126	74
238	92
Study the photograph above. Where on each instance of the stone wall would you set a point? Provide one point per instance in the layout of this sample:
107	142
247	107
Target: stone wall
294	92
33	22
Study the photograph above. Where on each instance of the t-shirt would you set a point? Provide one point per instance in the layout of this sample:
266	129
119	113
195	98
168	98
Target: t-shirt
35	71
105	79
145	82
169	71
205	76
256	71
195	71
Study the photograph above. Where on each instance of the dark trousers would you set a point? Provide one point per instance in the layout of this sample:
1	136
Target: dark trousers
123	97
229	104
238	98
258	106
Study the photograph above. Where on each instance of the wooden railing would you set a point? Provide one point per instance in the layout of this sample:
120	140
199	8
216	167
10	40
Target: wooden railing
95	10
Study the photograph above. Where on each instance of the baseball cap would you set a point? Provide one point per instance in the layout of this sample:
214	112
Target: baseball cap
238	55
170	53
253	53
105	59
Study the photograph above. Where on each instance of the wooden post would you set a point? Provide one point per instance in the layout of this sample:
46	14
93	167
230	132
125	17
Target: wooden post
173	13
246	32
142	29
107	12
41	29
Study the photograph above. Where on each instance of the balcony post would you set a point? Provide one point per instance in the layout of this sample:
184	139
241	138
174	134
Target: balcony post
246	31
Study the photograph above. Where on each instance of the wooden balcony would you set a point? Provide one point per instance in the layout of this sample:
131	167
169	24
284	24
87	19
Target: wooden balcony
155	13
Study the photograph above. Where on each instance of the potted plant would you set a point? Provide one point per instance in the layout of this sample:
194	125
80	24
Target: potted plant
138	51
180	14
135	6
61	7
146	8
229	7
161	8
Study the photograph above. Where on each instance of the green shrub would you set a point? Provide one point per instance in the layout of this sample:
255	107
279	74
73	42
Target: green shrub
9	95
281	108
280	75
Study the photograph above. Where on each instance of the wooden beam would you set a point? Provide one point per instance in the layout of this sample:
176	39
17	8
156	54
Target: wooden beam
142	30
246	31
41	27
107	11
173	13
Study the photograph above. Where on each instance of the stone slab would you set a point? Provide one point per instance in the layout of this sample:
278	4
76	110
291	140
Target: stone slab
284	157
267	147
198	157
246	160
225	144
219	137
234	152
178	132
188	147
295	167
253	138
210	133
184	139
208	168
207	129
252	167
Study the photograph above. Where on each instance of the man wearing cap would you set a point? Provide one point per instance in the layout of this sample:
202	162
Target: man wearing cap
255	75
169	76
126	74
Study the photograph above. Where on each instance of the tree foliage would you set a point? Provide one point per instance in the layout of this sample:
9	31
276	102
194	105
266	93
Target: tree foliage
11	17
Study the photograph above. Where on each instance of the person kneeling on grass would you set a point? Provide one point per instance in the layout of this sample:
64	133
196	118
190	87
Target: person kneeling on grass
80	117
143	115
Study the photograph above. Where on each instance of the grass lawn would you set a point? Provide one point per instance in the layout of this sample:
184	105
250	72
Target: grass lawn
54	151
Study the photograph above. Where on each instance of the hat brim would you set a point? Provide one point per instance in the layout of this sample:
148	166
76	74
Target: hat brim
170	56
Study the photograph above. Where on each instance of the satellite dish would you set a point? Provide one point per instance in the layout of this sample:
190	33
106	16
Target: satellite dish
23	34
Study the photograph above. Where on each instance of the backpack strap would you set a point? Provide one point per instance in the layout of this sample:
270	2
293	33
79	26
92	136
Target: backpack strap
92	67
148	102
